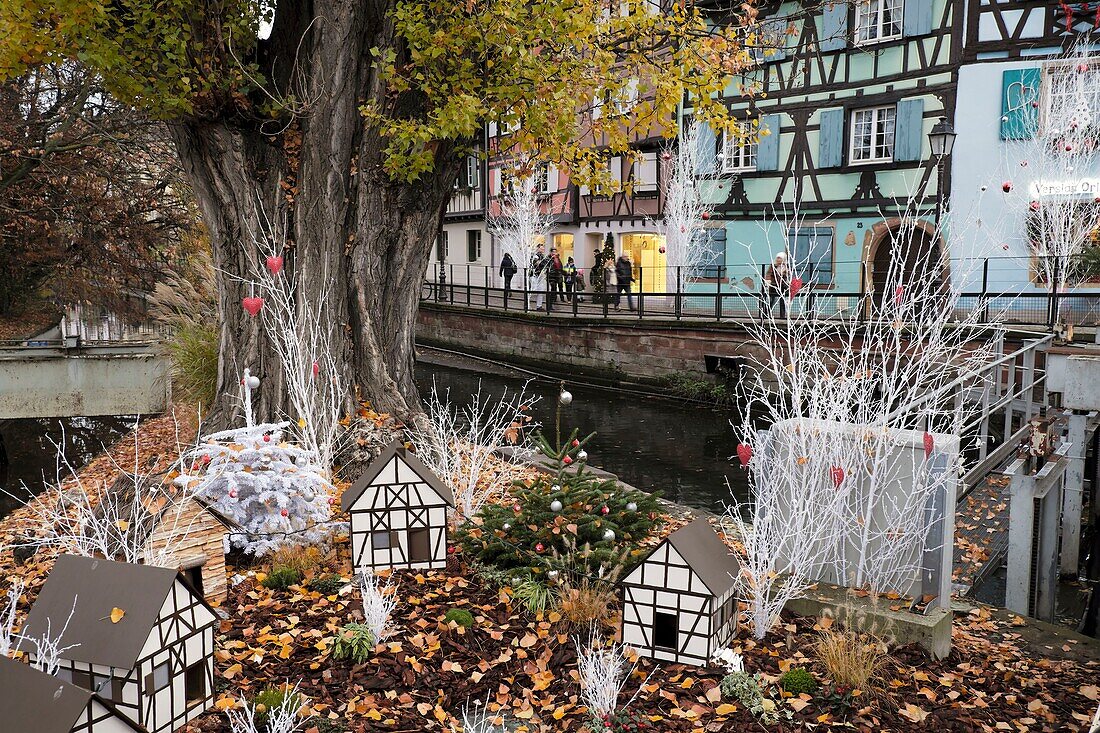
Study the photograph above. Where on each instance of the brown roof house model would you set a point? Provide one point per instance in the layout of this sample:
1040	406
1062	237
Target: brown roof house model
195	533
143	636
34	702
398	512
680	603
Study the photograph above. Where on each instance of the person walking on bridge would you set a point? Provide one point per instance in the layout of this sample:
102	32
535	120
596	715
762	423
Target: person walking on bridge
624	276
508	270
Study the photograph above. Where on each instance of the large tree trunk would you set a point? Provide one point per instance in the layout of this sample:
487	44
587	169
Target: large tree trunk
347	220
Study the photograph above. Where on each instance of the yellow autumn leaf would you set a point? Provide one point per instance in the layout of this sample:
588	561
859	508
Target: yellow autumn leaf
725	709
116	615
233	671
123	525
558	713
226	703
373	714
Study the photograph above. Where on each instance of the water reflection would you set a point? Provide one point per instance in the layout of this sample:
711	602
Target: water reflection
27	456
679	449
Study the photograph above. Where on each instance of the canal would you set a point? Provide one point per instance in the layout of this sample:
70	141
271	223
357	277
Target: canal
680	449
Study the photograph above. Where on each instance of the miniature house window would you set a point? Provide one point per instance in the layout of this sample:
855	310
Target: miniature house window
81	679
194	683
878	20
873	134
194	576
65	675
420	549
107	687
666	630
159	678
383	540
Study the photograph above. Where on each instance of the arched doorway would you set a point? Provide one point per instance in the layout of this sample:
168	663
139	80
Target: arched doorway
904	252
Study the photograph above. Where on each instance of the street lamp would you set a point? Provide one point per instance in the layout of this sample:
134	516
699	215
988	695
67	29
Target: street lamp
941	139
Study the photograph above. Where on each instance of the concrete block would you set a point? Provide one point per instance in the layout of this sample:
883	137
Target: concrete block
931	631
1081	390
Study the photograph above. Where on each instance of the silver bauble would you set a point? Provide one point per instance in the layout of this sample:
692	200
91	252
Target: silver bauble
632	507
555	506
253	382
609	535
555	487
565	397
582	456
553	575
506	526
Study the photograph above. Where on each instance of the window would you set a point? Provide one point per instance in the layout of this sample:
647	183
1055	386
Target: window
194	683
812	254
878	20
546	179
82	679
627	98
473	174
739	148
441	247
1071	97
645	174
873	134
563	243
194	577
666	630
107	687
64	674
420	549
473	245
383	540
159	678
712	263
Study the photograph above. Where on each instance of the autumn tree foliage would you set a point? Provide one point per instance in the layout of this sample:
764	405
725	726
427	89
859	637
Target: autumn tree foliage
352	119
92	201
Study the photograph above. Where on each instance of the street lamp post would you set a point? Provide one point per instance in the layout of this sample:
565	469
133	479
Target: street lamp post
941	139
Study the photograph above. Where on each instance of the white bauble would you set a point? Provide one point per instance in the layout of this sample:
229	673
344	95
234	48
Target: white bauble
253	382
609	535
582	456
632	507
553	575
506	526
565	397
555	506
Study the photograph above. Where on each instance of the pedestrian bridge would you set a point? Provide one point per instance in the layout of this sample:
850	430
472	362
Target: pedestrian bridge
71	378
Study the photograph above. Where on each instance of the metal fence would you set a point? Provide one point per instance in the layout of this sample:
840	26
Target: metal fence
720	293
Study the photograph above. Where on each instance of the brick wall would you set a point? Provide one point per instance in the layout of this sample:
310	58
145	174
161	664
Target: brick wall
615	349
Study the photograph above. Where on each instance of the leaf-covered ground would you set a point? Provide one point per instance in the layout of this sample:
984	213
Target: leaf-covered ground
1004	673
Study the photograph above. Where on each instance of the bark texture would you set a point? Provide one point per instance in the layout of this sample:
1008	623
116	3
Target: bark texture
348	222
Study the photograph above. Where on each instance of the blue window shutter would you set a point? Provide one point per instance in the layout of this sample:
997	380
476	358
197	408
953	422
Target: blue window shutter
767	147
917	20
834	27
1019	103
707	147
909	130
830	151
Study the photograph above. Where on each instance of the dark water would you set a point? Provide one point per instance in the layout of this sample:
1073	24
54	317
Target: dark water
27	456
681	450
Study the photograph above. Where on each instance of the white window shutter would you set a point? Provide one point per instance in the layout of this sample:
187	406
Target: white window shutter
624	8
492	129
615	165
551	178
495	185
473	179
597	104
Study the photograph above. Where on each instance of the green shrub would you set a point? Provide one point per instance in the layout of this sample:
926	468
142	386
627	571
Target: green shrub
271	698
534	595
193	350
355	642
598	525
282	578
797	681
749	690
326	585
460	616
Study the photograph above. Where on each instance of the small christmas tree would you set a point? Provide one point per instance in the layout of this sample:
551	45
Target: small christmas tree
604	259
569	520
276	491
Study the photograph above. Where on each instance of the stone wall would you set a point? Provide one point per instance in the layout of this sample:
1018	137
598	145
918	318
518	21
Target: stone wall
616	349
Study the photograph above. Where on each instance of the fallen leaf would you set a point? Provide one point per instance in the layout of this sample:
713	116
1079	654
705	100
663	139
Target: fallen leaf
116	615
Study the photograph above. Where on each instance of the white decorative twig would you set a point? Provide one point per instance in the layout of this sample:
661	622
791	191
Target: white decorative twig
604	670
7	617
283	718
379	600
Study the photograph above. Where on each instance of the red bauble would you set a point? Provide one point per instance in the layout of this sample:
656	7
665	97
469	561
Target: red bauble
316	369
604	510
206	459
1035	105
252	305
517	508
284	512
567	460
838	475
661	249
331	500
796	285
1083	67
1034	206
232	493
666	156
576	443
267	438
744	454
540	547
1006	186
275	264
1069	148
929	444
705	215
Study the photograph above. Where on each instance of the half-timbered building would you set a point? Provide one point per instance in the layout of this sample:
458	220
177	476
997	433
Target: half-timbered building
463	249
1014	60
846	96
398	513
139	637
35	702
680	603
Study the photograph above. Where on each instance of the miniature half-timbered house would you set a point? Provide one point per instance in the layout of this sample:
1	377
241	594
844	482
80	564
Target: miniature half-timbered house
679	604
152	659
33	701
398	512
195	533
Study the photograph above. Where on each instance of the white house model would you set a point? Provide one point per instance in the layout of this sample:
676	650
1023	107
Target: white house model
141	638
398	512
35	701
679	604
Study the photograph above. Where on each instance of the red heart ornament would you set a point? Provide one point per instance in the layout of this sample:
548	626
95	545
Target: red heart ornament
929	444
1006	186
744	454
796	285
275	264
252	305
838	475
316	369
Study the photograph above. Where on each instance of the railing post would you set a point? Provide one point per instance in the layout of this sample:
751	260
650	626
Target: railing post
718	294
863	305
985	291
485	284
526	305
468	283
679	295
641	290
1053	315
765	304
